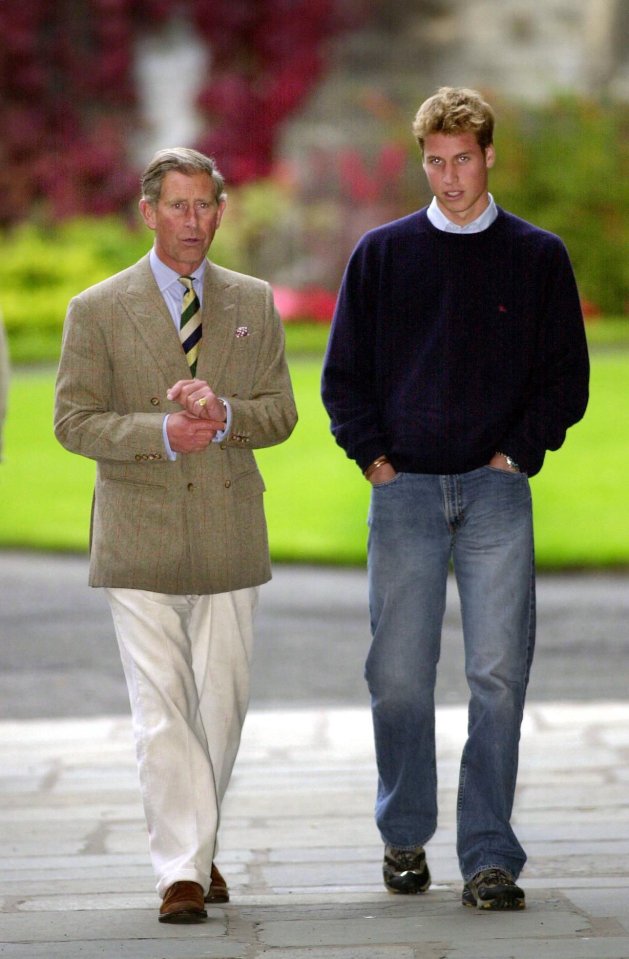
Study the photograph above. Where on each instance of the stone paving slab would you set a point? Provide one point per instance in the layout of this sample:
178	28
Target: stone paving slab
129	949
446	928
300	849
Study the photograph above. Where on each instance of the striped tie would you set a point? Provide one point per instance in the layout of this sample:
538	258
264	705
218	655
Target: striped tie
190	325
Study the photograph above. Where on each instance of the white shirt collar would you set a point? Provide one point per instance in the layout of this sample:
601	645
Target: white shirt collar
166	277
441	221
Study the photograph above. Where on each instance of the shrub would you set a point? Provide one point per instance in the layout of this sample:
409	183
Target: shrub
561	166
42	268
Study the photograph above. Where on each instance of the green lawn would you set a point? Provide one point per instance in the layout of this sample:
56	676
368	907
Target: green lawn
317	501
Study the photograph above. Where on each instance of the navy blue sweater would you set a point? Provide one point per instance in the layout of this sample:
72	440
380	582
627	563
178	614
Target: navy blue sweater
447	347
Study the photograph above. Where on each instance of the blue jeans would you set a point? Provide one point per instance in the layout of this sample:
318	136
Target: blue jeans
482	522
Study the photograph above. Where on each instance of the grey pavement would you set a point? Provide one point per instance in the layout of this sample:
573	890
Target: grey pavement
299	848
58	655
298	843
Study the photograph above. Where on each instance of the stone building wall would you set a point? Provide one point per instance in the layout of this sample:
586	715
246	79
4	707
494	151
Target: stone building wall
521	49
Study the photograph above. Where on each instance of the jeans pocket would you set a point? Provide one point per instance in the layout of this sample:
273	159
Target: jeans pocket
389	482
497	469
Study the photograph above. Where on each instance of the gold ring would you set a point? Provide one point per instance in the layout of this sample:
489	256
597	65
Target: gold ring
202	401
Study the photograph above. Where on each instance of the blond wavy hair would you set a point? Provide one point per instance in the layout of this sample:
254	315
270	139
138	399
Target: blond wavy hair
455	110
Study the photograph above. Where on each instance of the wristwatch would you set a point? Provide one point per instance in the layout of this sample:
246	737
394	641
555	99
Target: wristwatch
511	463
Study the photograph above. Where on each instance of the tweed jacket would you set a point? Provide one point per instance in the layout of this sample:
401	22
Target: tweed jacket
196	524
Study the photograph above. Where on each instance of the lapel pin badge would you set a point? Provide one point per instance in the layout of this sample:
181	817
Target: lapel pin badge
242	331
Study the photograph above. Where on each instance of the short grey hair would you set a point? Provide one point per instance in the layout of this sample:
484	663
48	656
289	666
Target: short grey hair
183	160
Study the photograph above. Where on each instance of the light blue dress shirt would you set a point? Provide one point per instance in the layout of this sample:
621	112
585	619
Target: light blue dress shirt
441	221
173	292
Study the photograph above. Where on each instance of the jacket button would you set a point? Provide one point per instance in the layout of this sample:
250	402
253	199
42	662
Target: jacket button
190	487
228	483
155	401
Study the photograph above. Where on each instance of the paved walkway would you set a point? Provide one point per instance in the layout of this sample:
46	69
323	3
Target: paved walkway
300	850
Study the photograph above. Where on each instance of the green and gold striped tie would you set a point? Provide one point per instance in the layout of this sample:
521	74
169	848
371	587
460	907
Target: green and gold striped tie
190	324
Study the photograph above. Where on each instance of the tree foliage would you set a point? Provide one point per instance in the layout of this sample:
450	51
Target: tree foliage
564	167
69	102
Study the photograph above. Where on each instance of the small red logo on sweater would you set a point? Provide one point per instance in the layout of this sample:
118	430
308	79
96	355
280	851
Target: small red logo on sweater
502	308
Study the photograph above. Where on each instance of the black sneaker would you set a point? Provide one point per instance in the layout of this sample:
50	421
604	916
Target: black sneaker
405	870
493	889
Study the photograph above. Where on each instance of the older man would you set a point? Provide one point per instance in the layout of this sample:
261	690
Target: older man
171	373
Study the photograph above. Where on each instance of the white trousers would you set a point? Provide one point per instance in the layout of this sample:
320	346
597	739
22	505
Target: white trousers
186	661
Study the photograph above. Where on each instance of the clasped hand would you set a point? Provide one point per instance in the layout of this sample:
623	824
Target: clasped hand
202	415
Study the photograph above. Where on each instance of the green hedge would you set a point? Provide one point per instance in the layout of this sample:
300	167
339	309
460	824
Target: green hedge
561	165
41	269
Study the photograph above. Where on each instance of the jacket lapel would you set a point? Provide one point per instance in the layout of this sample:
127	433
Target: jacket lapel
219	318
144	307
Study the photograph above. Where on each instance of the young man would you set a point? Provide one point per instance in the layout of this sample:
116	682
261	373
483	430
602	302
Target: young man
457	357
171	373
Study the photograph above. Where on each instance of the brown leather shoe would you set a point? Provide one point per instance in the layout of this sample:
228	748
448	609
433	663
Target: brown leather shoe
218	891
183	902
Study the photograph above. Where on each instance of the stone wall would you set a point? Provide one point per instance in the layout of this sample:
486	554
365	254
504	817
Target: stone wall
521	49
